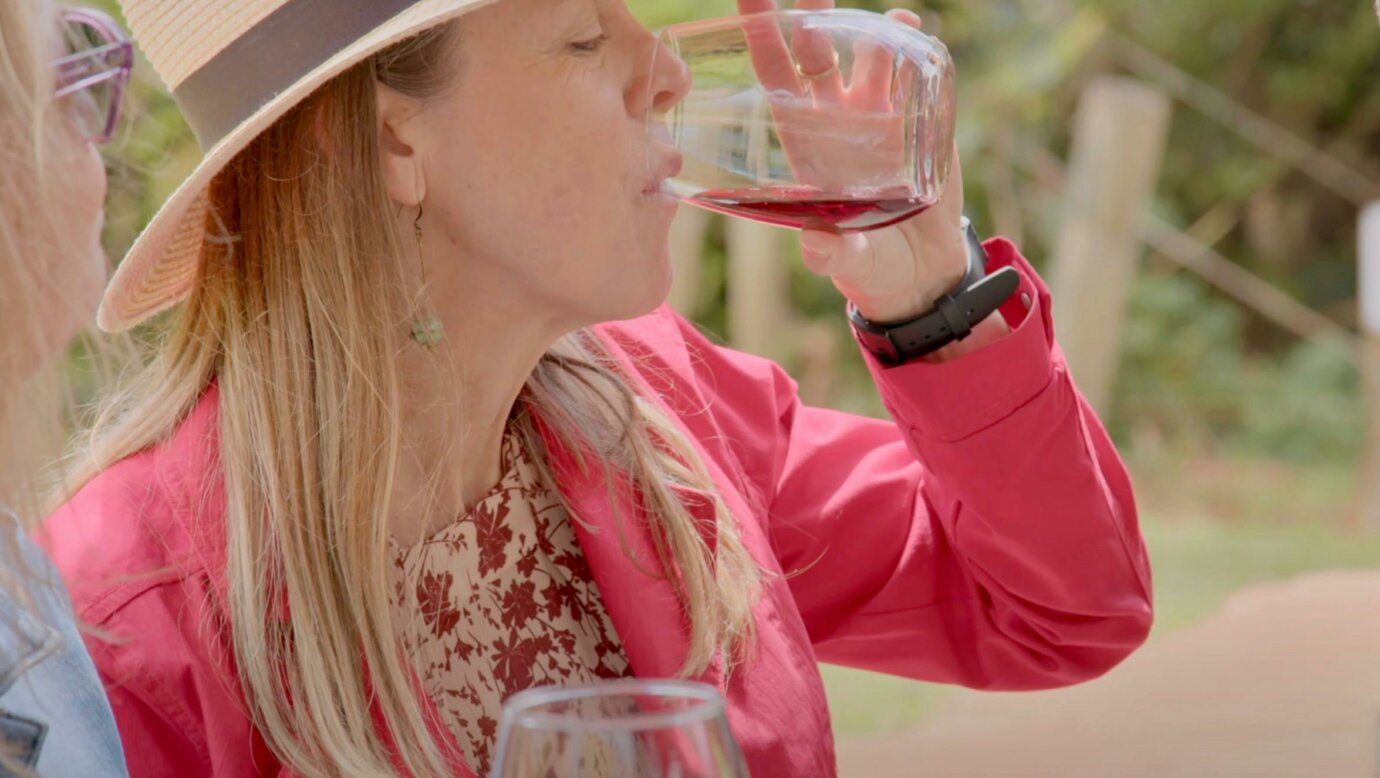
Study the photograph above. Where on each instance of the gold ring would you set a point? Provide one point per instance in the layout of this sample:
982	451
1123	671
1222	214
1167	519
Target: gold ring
832	71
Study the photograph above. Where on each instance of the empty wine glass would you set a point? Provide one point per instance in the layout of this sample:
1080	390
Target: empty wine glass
839	120
622	729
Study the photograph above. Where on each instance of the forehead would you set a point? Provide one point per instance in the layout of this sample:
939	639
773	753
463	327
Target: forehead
535	10
513	26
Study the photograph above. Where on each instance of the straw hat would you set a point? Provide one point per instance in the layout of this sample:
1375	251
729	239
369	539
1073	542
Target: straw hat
236	67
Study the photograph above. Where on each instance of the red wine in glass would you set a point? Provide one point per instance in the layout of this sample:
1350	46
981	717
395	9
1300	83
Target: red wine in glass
804	207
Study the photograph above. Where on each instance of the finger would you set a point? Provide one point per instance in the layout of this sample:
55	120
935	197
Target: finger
906	78
771	58
952	202
820	250
947	214
870	83
904	16
839	256
882	75
816	56
755	6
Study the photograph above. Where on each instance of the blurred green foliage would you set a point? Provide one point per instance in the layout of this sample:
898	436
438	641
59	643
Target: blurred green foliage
1200	373
1190	380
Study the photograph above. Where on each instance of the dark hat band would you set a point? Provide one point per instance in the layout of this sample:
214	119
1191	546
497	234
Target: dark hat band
277	52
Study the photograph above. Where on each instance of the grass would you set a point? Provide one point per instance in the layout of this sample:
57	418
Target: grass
1201	551
1199	564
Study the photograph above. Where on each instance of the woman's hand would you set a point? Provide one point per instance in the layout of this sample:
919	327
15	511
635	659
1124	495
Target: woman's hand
891	274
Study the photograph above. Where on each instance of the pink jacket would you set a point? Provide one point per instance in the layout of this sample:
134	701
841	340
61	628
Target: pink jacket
987	537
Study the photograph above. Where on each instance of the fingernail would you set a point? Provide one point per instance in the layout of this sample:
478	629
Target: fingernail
818	243
907	16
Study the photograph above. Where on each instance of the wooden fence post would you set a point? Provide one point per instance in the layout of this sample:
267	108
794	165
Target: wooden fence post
1120	134
759	275
759	283
1368	255
820	346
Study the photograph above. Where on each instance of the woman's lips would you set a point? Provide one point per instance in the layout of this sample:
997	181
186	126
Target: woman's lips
668	167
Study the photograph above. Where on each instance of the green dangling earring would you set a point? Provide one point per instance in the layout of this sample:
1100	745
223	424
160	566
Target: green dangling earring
427	330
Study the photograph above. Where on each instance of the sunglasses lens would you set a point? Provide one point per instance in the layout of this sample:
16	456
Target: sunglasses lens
89	108
80	36
91	77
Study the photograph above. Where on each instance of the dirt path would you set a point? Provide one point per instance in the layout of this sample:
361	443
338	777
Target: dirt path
1284	682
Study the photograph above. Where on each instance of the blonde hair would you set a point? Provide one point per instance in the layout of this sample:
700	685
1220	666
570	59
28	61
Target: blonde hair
32	394
29	233
299	313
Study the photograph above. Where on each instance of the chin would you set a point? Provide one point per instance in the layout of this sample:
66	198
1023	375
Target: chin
632	308
638	293
659	283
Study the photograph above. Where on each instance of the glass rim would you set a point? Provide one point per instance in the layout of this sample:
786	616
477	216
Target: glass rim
519	711
671	36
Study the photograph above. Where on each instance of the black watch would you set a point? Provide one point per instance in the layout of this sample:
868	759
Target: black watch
954	315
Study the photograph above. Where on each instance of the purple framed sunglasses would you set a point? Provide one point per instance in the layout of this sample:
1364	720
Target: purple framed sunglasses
93	76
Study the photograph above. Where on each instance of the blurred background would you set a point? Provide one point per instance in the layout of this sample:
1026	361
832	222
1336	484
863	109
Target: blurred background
1189	177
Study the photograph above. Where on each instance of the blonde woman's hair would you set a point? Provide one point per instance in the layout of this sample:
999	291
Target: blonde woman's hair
299	314
30	236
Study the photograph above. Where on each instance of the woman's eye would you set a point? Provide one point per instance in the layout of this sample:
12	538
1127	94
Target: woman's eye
592	45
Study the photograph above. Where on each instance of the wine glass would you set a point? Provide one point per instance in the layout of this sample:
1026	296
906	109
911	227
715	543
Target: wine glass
839	120
621	729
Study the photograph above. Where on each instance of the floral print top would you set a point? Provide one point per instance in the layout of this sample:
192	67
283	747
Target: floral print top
504	601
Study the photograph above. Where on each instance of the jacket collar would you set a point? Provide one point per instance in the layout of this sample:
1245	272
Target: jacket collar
615	534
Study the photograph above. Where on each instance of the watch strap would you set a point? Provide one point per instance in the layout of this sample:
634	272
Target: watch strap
953	317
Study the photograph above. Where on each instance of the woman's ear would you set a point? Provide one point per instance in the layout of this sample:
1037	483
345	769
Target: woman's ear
400	140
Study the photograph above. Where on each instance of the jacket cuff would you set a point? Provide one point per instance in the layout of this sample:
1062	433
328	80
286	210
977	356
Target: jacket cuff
953	400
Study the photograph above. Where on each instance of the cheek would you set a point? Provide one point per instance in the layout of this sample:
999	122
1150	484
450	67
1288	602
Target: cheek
553	171
580	185
84	184
568	156
543	187
81	213
93	189
94	179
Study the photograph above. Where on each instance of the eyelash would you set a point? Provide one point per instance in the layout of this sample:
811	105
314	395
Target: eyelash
591	46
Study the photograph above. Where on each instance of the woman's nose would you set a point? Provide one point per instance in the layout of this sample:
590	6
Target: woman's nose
666	82
671	79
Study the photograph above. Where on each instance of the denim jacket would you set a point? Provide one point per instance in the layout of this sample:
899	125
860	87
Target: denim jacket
54	716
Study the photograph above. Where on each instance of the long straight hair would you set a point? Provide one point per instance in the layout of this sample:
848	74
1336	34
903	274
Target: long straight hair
31	235
32	238
299	313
